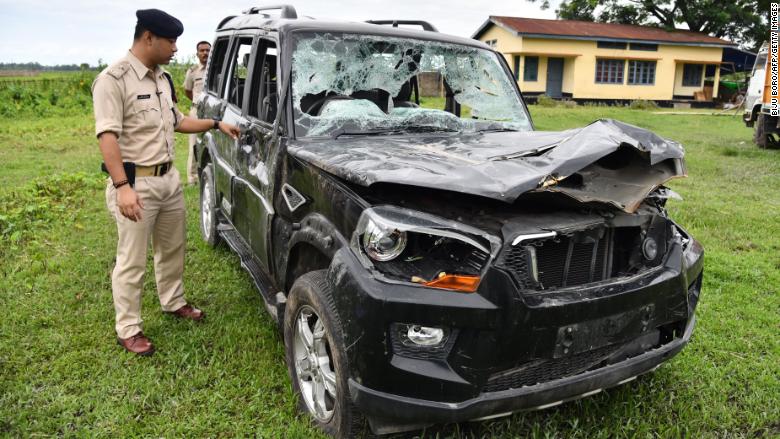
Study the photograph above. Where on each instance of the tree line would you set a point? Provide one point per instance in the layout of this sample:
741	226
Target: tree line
744	22
37	67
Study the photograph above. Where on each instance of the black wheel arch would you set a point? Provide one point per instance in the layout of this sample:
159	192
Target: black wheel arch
311	246
204	151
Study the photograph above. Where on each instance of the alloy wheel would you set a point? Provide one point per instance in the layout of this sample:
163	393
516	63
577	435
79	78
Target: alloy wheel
206	209
313	364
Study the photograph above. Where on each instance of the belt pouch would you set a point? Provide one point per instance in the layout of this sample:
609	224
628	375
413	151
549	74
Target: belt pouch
129	171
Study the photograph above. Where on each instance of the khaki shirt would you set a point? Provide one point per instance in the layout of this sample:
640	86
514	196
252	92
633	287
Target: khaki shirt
194	80
135	103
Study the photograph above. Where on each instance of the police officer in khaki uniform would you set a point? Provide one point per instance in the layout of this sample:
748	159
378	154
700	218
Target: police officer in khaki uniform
135	120
193	87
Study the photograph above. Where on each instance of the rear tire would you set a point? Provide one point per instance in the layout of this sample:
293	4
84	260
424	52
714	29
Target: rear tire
759	132
317	359
208	207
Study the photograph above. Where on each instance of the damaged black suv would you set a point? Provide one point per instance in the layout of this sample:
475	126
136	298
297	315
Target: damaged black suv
429	256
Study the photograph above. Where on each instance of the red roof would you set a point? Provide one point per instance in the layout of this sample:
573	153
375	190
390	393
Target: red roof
590	30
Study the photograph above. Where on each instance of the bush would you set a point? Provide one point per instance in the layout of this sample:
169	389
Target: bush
596	104
641	104
32	98
546	101
64	95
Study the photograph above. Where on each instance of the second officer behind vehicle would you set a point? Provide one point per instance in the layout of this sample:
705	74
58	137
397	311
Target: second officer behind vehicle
193	87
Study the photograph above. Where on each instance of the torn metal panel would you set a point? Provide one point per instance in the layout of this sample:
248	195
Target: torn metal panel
622	178
505	165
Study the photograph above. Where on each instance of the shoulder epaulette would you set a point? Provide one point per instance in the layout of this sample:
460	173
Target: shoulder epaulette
119	69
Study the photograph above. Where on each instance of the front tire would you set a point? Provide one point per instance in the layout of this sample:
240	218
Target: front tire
759	132
316	357
208	207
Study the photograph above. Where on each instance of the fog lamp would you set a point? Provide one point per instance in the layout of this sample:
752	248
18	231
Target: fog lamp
650	249
424	335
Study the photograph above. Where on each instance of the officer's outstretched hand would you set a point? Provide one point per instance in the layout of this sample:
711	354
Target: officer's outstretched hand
231	130
129	203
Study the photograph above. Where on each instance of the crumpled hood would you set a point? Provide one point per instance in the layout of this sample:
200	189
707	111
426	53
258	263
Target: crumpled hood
505	165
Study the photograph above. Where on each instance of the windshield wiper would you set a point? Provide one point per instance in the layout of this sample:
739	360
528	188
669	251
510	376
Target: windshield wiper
428	129
390	131
342	132
496	130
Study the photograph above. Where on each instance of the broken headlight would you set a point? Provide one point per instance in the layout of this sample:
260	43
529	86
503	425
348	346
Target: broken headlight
409	246
382	243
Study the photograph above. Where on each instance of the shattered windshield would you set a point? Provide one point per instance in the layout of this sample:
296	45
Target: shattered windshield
362	84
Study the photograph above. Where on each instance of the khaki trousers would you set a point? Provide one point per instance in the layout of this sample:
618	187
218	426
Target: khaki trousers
163	223
192	168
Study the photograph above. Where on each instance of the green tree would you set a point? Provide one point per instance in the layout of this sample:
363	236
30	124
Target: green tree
741	21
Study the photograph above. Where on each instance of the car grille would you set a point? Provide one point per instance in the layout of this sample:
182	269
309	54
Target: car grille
581	257
547	370
565	262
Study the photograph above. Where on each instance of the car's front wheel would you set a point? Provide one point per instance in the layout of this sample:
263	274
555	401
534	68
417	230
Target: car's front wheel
316	357
208	206
759	132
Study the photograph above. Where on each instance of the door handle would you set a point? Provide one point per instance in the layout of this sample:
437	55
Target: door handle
249	138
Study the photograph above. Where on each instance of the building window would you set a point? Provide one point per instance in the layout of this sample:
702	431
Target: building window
491	43
516	64
641	72
610	71
692	75
531	69
644	46
610	45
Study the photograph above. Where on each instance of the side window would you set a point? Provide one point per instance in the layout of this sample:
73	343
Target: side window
238	71
263	100
216	63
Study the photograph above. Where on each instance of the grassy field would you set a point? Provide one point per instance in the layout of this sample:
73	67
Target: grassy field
61	372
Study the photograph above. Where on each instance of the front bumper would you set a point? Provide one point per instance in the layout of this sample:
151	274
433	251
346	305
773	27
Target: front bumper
500	329
395	409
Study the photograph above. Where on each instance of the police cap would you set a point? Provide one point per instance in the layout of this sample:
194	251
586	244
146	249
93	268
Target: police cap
159	23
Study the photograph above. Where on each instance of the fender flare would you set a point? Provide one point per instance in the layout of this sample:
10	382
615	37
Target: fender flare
318	232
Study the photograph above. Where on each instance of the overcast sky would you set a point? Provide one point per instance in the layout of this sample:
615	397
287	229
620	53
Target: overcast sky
76	31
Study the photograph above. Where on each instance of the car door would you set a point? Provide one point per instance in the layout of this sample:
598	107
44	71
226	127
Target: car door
253	189
212	106
233	94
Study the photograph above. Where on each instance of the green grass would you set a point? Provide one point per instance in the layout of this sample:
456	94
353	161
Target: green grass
61	372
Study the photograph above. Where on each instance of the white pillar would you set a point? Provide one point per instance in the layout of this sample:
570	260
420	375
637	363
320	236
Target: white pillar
715	82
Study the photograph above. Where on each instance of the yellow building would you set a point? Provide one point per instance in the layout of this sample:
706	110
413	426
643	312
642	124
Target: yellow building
595	61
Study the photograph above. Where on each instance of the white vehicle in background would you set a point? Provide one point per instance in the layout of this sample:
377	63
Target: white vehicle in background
757	104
